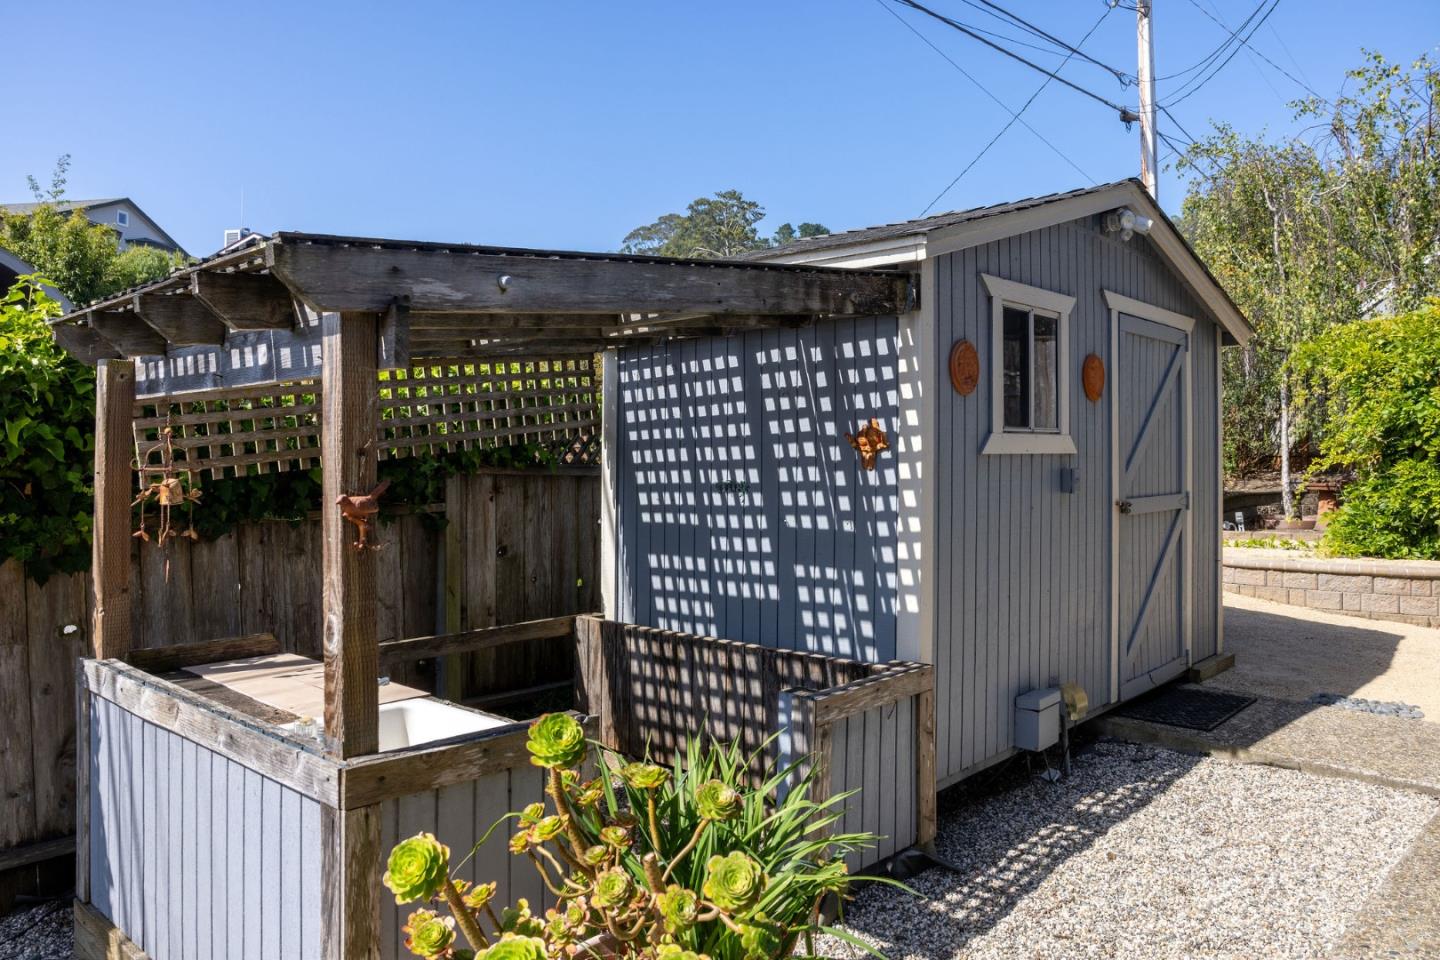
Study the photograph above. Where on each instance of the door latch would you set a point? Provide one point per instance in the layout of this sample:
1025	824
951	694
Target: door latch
1124	505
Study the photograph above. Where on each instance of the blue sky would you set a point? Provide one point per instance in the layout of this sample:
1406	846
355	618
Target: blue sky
560	124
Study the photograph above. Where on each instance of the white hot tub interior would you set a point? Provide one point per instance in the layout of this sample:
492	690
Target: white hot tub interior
407	723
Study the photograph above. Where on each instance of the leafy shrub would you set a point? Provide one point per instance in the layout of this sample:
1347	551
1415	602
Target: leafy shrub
47	408
645	861
1380	382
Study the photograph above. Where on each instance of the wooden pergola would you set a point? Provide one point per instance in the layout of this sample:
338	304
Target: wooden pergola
373	305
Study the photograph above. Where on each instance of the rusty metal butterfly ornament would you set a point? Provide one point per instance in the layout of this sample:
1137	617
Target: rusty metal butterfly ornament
869	442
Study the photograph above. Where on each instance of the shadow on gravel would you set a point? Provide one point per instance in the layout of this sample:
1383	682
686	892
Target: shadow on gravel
1007	832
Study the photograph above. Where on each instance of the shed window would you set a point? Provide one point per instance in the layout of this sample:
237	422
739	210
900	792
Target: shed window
1030	376
122	218
1031	351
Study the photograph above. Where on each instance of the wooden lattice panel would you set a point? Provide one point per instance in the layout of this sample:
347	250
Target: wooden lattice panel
436	406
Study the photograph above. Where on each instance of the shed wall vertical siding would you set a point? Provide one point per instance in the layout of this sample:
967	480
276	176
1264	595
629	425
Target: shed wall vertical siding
1022	568
193	855
743	511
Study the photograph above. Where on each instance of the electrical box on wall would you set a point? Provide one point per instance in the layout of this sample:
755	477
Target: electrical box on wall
1037	719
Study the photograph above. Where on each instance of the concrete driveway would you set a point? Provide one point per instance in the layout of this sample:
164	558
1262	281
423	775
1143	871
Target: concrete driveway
1292	653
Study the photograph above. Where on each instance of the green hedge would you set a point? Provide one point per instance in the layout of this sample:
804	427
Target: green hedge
1379	382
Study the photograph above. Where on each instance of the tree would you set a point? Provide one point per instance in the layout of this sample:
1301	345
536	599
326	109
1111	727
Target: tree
720	226
1314	231
82	259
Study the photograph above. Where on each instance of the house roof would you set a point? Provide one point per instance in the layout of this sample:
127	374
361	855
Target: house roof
68	206
910	228
958	229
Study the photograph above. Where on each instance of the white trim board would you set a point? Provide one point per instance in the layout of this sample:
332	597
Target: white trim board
609	488
916	533
1001	441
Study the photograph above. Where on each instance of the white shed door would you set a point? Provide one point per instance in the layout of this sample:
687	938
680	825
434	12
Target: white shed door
1153	467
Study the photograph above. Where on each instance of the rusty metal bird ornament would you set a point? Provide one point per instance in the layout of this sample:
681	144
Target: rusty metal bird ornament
360	509
869	442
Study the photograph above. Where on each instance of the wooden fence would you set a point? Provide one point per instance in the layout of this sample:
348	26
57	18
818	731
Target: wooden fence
867	727
506	546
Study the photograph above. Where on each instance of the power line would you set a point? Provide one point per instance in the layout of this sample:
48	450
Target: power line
1121	111
1243	44
1213	55
985	90
1074	51
1014	117
1246	42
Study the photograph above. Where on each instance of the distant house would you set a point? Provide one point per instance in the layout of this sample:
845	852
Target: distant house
132	226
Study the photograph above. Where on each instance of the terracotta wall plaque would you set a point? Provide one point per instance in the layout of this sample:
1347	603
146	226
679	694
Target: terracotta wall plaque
964	367
1092	376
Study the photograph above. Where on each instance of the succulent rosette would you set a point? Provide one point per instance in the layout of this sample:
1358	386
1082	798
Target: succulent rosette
615	836
733	882
673	951
430	935
548	828
596	856
717	800
532	814
759	939
515	948
479	895
644	776
679	907
520	842
589	793
556	740
417	868
612	889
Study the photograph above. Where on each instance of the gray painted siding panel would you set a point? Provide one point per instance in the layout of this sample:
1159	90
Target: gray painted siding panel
180	870
1022	596
743	512
873	754
460	815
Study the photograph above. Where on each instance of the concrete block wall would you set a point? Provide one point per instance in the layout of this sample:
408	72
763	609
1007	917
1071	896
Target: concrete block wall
1403	590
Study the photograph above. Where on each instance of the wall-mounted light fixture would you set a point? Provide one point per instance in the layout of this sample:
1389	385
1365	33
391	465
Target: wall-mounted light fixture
1127	223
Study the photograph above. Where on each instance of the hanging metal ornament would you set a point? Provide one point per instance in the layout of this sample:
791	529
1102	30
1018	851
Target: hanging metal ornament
175	487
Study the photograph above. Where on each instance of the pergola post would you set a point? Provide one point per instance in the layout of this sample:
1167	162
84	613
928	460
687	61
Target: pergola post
349	420
110	559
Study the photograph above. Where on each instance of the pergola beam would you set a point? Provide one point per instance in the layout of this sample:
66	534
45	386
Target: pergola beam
331	276
181	319
245	301
126	333
83	343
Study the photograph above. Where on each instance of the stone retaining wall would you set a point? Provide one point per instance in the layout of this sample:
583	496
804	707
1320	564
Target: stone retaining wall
1404	590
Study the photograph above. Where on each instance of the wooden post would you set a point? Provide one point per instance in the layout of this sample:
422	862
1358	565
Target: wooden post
114	454
349	421
925	816
349	880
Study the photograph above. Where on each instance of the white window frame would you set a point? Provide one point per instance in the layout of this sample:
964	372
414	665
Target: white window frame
1005	293
122	218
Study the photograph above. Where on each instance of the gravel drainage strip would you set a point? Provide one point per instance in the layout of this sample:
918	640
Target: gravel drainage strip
1145	852
1383	708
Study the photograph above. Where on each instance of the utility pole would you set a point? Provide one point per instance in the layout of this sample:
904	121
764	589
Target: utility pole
1145	73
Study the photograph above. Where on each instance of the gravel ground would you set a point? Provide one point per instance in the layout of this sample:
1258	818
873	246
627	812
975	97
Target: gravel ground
1146	853
41	932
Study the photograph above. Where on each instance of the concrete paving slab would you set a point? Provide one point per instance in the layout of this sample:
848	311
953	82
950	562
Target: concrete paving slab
1402	918
1292	653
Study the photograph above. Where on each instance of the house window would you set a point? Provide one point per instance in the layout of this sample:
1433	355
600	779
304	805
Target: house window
122	218
1030	375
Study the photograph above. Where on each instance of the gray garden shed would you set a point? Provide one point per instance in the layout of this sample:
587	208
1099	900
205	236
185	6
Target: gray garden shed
1047	510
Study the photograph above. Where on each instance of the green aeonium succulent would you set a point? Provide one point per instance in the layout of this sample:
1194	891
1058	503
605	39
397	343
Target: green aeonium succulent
717	800
679	907
548	828
759	939
733	882
673	951
417	868
595	856
430	934
615	836
612	888
515	948
556	740
644	776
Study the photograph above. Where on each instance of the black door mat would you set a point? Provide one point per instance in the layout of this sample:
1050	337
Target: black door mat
1186	707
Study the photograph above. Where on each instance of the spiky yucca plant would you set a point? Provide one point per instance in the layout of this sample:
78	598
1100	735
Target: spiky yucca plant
686	862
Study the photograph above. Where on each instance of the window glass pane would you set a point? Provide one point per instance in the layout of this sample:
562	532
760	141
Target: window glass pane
1017	368
1046	392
